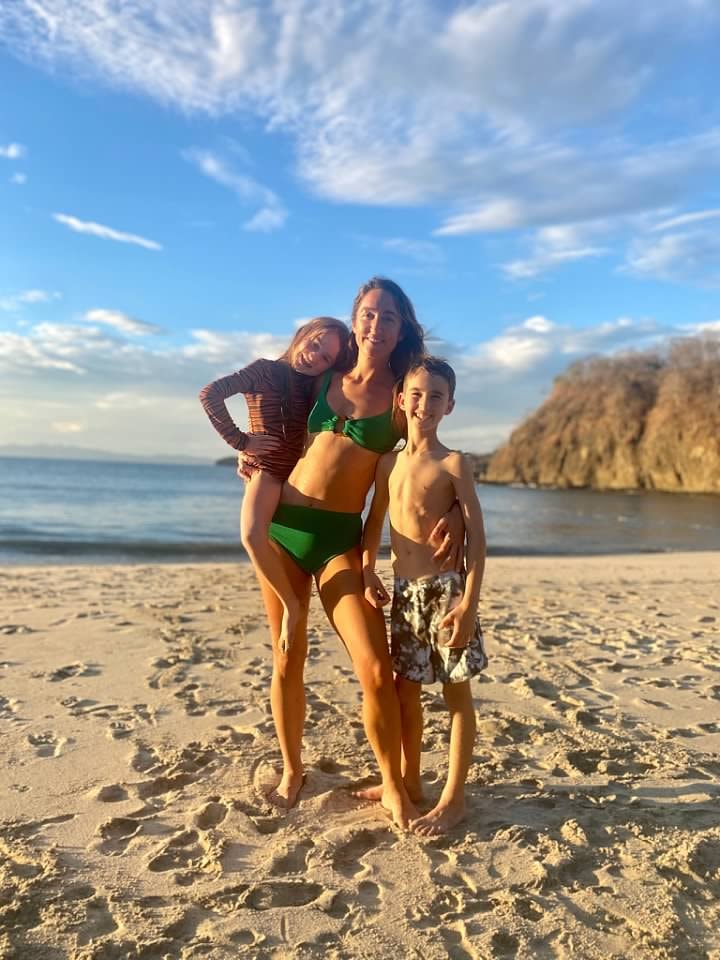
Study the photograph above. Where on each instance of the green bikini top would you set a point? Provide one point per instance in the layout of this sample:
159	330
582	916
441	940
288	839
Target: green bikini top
377	433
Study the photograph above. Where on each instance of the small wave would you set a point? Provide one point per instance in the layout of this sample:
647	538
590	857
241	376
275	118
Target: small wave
16	548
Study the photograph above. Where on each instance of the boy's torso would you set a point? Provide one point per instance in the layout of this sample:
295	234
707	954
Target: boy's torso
421	492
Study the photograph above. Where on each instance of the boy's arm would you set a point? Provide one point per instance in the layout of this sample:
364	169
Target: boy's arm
462	618
375	592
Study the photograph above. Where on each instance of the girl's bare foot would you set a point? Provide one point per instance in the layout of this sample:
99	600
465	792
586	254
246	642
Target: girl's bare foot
414	791
443	817
285	794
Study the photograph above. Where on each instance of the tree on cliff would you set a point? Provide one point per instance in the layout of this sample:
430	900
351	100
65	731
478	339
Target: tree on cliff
639	420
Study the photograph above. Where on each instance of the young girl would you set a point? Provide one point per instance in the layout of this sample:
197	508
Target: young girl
279	395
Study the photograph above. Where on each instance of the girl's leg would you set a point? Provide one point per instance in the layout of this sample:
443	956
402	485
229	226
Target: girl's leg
287	690
362	630
450	808
262	495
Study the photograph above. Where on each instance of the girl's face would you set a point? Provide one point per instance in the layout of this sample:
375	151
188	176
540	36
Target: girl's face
377	325
316	353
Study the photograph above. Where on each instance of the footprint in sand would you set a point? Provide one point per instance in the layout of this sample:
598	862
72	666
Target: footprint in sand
211	815
73	670
182	851
283	893
292	861
47	744
347	858
8	708
117	833
111	793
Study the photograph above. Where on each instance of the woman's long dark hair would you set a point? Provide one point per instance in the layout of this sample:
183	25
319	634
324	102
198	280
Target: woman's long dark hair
412	345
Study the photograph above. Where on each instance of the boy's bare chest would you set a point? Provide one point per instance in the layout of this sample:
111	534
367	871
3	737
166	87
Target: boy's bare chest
419	491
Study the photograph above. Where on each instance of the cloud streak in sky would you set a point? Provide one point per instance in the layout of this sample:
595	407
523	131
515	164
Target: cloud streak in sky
464	107
271	214
105	233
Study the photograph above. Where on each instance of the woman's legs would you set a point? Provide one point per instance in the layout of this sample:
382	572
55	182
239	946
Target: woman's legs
362	630
287	690
262	495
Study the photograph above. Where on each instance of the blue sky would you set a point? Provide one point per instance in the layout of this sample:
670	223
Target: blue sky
180	184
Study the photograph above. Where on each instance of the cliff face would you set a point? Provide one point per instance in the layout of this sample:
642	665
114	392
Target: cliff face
637	421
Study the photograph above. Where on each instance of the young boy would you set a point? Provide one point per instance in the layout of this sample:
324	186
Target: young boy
435	634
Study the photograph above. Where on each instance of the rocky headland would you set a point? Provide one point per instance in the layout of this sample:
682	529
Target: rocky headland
636	421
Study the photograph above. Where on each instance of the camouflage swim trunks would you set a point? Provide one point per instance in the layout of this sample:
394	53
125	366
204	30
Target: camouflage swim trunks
416	644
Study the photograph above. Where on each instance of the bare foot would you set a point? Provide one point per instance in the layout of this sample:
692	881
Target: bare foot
440	819
376	793
400	807
285	794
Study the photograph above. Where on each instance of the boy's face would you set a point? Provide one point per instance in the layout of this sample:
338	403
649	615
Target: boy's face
425	398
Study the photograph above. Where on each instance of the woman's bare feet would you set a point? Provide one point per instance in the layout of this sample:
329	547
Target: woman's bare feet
400	807
443	817
285	794
414	791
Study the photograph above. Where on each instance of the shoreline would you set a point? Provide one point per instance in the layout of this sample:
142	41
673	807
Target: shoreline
138	746
162	557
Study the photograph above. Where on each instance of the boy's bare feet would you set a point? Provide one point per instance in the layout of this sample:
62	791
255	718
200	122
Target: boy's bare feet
285	794
414	791
443	817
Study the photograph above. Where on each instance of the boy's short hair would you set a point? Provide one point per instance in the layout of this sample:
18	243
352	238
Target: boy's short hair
436	367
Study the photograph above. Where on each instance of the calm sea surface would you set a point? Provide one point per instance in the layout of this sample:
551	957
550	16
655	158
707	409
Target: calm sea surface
73	511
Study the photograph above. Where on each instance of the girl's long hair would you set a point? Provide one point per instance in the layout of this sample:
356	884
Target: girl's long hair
313	328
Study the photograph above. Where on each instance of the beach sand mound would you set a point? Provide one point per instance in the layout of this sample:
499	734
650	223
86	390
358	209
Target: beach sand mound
138	746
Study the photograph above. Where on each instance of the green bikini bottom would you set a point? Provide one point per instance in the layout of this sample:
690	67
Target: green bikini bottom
312	536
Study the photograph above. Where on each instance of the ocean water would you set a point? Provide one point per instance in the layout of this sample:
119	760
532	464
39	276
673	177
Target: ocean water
73	511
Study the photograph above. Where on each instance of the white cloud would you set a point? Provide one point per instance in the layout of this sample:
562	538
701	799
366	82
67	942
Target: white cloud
489	108
686	218
16	300
19	179
690	255
121	321
12	151
270	216
106	233
68	426
120	400
136	399
421	251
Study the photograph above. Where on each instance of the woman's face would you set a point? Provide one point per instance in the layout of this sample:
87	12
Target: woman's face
316	353
377	325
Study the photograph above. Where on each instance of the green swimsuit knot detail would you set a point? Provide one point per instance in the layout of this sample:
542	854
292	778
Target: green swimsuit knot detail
377	433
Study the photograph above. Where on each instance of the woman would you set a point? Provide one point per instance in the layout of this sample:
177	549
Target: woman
318	525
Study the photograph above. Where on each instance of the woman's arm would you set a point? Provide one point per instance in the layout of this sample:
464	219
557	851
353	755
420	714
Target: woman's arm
448	535
375	592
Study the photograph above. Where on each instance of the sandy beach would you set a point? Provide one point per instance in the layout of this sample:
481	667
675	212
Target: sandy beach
137	743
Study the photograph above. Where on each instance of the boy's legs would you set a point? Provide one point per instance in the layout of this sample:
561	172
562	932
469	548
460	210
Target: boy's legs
262	495
450	808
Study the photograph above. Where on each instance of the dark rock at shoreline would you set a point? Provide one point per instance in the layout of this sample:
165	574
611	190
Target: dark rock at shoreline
638	421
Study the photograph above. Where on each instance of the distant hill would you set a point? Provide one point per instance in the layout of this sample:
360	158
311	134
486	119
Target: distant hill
62	452
637	421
